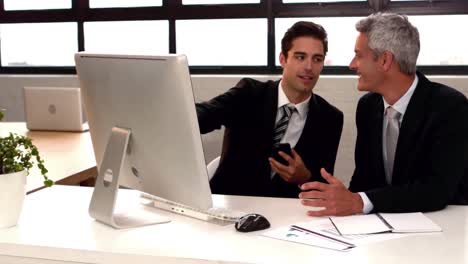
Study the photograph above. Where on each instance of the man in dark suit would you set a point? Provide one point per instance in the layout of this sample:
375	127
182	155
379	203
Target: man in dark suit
259	115
412	143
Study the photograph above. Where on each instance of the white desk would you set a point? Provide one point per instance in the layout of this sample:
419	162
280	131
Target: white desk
55	226
68	156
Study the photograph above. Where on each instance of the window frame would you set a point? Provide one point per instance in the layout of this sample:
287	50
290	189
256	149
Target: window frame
173	10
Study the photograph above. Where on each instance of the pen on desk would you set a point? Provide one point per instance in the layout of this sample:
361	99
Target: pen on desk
322	235
337	230
384	221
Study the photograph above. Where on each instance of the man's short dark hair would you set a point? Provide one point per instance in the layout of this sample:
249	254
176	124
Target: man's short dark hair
301	29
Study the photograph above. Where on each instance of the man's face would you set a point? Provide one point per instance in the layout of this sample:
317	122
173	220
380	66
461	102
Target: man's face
365	64
302	67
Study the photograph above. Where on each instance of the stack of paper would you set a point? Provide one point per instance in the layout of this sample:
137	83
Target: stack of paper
379	223
310	237
347	232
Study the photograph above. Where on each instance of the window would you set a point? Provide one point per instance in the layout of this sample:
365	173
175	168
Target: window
446	47
213	2
35	4
219	36
38	44
123	3
442	43
137	37
319	1
223	41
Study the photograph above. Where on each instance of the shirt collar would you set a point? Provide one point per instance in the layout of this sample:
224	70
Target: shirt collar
403	102
302	107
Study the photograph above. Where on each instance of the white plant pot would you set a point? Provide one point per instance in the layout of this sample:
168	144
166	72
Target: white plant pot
12	193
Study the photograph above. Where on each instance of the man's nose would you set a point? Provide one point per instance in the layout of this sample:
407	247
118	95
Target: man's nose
309	64
352	64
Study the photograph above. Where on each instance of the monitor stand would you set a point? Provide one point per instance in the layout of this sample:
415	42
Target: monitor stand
106	188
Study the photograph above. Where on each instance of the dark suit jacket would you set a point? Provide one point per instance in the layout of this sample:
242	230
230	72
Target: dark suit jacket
248	113
431	160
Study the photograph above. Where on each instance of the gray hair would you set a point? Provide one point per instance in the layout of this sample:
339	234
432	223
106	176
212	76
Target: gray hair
394	33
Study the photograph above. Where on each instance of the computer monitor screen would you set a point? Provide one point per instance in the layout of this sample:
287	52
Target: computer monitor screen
152	97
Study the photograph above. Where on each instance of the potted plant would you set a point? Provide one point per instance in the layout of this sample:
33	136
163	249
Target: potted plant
17	156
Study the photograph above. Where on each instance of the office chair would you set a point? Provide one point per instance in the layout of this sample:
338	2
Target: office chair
212	166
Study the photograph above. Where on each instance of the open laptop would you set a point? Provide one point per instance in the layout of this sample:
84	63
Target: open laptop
54	109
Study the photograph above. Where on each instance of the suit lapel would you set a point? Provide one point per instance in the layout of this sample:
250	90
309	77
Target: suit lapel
410	127
376	128
270	108
313	117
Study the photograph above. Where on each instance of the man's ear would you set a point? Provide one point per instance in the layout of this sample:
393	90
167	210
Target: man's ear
387	59
282	59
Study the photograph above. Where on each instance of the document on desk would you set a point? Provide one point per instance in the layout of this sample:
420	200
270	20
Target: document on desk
325	227
380	223
321	233
300	235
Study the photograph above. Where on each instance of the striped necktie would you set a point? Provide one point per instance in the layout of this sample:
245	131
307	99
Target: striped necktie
282	124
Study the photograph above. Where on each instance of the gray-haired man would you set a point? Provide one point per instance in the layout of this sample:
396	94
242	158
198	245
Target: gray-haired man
412	144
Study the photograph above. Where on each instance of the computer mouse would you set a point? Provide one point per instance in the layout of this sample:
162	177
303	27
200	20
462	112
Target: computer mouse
252	222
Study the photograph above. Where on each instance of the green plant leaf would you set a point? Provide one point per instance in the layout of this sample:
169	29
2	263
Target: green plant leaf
18	153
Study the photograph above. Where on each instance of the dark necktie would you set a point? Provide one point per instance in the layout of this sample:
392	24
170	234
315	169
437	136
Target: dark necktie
391	139
282	124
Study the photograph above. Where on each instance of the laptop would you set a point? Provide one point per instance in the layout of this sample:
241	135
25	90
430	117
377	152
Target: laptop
54	109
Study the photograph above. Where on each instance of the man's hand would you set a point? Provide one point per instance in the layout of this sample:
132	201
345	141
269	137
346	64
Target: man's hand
296	172
334	197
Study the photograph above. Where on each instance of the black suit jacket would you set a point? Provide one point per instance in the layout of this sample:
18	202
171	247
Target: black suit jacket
248	113
431	160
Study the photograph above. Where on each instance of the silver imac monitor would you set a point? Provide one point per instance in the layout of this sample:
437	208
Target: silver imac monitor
144	129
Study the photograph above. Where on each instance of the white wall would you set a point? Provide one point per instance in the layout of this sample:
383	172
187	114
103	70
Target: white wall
339	90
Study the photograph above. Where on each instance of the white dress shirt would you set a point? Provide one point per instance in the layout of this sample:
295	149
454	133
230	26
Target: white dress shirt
399	106
297	119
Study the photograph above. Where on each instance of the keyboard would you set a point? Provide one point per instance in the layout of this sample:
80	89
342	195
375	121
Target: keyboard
212	214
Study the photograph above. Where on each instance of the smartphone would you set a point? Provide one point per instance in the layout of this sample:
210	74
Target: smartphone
284	147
